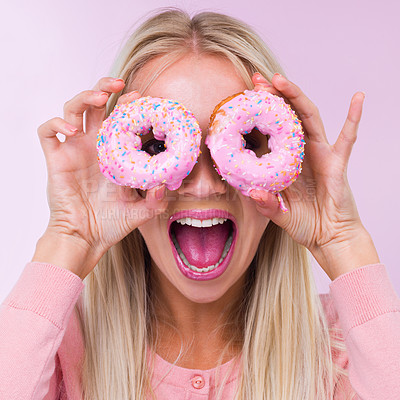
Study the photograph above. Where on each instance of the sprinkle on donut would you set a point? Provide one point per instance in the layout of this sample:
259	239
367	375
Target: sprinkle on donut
119	147
238	115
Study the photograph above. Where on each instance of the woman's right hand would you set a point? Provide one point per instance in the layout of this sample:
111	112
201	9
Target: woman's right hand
87	211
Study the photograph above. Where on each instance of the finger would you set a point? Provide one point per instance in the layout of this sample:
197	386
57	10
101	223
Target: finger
47	133
153	204
74	108
260	80
95	114
261	83
155	195
304	108
267	88
268	205
128	97
348	134
109	84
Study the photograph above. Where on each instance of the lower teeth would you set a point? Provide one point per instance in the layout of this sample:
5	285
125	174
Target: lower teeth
210	267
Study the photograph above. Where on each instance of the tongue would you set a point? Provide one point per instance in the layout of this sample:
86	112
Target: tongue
202	246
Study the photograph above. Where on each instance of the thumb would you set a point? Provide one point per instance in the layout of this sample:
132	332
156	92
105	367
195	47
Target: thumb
139	212
271	205
155	199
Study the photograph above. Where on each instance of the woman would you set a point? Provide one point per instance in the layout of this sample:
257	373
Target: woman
142	329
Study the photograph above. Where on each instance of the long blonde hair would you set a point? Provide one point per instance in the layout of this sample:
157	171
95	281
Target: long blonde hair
286	344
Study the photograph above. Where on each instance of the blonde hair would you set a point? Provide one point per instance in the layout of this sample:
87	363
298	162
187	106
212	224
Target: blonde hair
286	344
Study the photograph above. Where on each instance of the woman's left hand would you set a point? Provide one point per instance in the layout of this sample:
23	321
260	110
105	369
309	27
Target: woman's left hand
322	215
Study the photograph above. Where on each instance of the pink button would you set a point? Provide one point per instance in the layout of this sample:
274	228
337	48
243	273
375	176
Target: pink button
198	382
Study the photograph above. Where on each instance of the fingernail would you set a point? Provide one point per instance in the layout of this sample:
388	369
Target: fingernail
132	93
257	198
160	193
278	75
71	128
100	93
117	80
260	77
254	194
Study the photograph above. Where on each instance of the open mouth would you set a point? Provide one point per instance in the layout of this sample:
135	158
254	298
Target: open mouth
202	242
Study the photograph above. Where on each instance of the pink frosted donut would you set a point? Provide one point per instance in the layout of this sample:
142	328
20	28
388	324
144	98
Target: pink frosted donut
240	114
119	147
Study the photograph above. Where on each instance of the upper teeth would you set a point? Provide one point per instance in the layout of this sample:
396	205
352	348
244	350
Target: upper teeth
201	223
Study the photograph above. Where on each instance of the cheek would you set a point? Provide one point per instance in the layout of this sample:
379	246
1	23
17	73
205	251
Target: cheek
156	240
251	239
253	227
254	220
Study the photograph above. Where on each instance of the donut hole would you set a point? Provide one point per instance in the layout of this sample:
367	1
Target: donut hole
151	145
257	142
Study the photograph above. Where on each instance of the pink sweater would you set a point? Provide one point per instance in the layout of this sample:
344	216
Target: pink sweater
41	346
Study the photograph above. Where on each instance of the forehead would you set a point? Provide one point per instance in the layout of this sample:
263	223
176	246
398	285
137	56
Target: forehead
199	82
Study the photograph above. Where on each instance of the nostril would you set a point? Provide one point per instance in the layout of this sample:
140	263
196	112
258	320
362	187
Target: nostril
203	180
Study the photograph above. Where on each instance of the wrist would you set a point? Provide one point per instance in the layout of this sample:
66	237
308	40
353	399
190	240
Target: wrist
67	252
347	255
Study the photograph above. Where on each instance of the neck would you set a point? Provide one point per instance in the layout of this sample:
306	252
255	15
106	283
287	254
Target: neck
200	331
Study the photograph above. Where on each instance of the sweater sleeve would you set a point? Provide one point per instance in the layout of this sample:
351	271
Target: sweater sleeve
33	320
368	309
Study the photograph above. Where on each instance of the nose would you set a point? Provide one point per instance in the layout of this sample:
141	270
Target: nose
203	182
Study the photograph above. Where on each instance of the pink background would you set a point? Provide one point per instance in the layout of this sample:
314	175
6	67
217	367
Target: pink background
51	51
